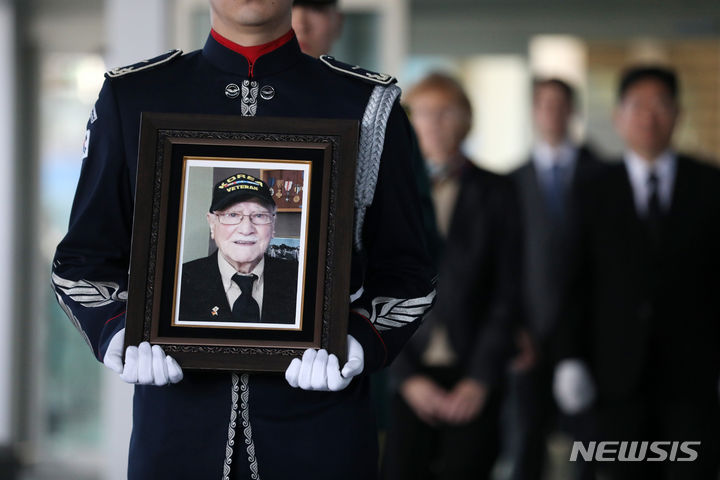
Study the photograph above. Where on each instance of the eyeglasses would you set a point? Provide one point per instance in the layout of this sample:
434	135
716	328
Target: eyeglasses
234	218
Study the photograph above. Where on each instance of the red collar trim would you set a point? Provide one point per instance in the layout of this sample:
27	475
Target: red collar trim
254	52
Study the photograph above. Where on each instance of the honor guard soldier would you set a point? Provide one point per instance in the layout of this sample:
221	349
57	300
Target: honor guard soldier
238	425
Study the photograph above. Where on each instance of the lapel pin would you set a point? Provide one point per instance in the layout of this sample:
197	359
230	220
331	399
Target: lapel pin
214	311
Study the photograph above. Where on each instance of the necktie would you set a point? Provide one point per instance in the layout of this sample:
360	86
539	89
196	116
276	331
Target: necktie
555	191
654	212
245	308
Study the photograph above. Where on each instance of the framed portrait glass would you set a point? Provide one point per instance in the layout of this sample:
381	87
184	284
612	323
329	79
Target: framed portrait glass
242	239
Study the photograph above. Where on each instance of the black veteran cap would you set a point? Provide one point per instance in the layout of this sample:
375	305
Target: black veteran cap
239	187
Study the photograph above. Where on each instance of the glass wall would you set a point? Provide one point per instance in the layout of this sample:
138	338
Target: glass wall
70	391
359	43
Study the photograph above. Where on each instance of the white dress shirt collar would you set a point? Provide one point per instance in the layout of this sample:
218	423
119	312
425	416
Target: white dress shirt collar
232	290
639	170
546	156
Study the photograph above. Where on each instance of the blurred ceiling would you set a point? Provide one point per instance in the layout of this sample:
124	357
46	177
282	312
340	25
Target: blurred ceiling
482	26
64	25
464	26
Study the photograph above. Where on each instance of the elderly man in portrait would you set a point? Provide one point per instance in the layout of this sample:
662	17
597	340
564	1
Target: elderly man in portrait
240	282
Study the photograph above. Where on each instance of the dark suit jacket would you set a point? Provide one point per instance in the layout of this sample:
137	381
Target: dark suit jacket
478	288
545	245
646	315
202	290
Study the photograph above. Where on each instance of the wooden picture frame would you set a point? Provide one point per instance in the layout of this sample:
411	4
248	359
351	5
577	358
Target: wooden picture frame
305	305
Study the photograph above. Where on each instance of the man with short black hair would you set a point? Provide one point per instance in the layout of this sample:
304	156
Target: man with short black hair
642	328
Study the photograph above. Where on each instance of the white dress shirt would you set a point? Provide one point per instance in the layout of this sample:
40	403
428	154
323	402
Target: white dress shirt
639	171
546	156
445	187
232	290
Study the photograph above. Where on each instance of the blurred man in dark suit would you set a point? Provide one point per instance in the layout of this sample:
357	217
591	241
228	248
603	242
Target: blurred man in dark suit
445	413
547	184
644	314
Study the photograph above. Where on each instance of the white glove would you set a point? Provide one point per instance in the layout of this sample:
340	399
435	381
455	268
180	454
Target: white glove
144	365
573	386
321	372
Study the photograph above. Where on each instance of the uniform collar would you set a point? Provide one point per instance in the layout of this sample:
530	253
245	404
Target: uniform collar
270	58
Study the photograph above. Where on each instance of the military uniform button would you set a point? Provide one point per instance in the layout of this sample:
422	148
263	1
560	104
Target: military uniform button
232	90
267	92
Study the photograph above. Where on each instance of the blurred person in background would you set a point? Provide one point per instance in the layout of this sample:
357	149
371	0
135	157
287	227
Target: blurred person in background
547	186
317	24
643	322
448	379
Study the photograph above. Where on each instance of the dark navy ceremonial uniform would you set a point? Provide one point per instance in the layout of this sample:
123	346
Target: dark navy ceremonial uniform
239	425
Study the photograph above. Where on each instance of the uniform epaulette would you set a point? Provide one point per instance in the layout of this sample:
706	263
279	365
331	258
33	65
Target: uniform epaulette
145	64
357	72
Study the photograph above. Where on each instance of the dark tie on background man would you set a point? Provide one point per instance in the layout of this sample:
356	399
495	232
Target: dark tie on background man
654	212
555	191
245	308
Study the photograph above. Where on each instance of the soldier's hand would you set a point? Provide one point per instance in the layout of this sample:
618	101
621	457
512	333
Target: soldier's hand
321	372
144	364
